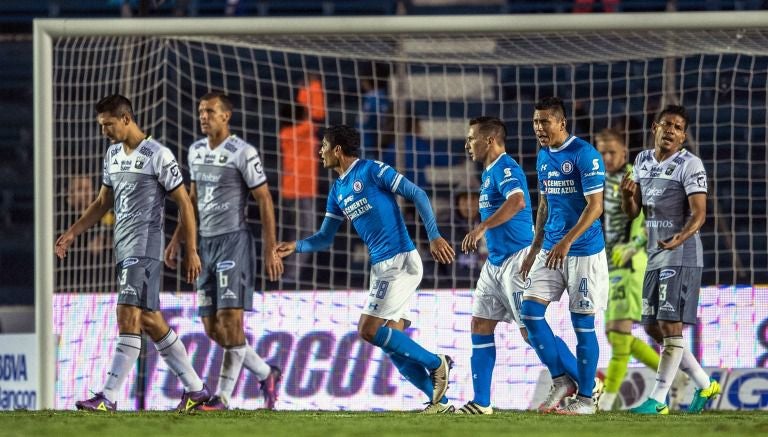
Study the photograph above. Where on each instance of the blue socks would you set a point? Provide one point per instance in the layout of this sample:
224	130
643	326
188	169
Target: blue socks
396	342
567	360
541	337
416	374
483	360
587	352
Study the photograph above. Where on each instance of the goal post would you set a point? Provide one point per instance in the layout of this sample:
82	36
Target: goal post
613	69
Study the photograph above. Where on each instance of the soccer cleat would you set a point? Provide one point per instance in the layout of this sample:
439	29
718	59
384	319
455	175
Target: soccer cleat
472	407
97	403
677	390
191	399
607	401
597	390
577	407
702	395
270	387
215	403
438	408
650	406
562	387
439	378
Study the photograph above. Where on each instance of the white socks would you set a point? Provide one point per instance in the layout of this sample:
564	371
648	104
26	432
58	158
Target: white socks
173	353
671	355
692	368
255	363
126	352
230	371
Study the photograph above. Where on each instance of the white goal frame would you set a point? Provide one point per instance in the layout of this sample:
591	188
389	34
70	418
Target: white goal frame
45	30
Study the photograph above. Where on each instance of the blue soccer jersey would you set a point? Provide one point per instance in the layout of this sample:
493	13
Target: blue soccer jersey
365	194
566	175
501	179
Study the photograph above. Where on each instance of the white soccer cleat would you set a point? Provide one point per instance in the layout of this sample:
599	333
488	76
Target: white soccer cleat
445	408
474	408
440	377
597	390
562	387
606	401
577	407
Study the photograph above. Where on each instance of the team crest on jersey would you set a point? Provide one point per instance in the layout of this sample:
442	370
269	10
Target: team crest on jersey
139	164
567	167
670	170
223	159
357	186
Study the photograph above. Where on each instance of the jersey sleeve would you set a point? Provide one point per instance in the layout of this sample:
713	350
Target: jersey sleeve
192	173
507	181
592	169
540	172
167	170
249	164
332	208
105	178
638	159
694	177
384	176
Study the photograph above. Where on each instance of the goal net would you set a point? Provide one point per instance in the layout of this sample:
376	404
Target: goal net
410	85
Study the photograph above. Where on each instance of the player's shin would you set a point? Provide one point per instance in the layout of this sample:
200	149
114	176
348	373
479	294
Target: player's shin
126	352
396	342
587	352
540	336
483	360
617	366
231	365
567	360
172	350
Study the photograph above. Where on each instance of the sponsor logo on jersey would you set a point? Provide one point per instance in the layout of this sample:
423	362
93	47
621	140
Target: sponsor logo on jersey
225	265
666	274
175	171
125	165
114	151
567	167
357	186
209	158
209	177
257	166
229	147
487	183
198	157
651	191
553	174
527	284
229	295
115	162
543	167
146	151
666	306
129	262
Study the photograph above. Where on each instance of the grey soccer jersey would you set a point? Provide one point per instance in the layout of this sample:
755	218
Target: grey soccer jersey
224	177
139	182
665	187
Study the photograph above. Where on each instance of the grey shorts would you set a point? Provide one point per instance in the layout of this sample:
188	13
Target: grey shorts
227	279
671	294
139	281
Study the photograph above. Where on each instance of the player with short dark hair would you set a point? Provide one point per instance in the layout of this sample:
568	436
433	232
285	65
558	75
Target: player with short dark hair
224	171
568	254
364	194
669	183
139	173
507	225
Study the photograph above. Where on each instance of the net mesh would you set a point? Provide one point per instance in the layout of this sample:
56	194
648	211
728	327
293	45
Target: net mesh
411	97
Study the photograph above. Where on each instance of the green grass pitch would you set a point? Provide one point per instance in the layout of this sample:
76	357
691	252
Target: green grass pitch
399	424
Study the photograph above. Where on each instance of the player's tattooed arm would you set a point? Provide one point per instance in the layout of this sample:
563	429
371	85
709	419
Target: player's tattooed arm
538	237
90	217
